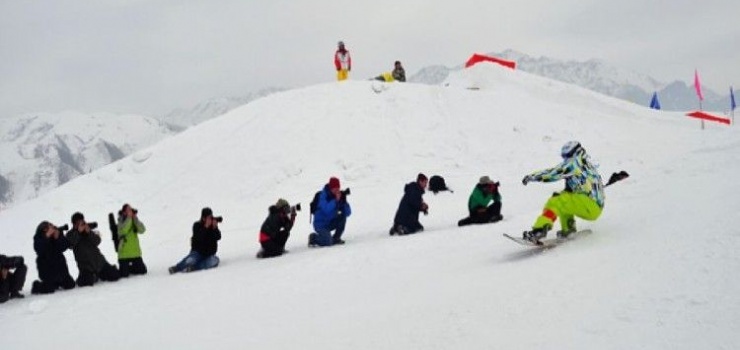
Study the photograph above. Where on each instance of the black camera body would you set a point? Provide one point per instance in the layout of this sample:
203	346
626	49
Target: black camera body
63	228
295	208
10	262
92	225
218	218
346	192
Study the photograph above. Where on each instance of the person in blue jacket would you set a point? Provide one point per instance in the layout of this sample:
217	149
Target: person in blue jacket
332	211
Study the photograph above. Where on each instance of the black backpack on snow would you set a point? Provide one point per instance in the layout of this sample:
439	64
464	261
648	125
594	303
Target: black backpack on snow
437	184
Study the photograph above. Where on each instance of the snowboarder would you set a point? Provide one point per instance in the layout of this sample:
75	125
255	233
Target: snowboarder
342	62
204	244
583	196
485	193
332	211
412	203
91	263
276	229
129	250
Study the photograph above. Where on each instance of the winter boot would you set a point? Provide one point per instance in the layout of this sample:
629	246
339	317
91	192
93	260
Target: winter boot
571	228
536	234
312	240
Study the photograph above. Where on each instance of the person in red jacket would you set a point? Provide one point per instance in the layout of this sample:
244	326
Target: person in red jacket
342	62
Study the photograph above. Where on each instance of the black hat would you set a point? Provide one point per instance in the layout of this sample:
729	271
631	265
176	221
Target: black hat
77	217
206	212
420	177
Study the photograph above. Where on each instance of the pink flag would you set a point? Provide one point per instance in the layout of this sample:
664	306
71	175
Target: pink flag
697	85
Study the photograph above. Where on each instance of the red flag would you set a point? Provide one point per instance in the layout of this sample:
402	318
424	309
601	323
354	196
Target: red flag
697	85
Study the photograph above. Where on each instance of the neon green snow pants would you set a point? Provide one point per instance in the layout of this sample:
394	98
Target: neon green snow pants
565	206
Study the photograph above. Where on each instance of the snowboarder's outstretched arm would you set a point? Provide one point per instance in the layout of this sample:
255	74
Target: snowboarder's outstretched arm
559	172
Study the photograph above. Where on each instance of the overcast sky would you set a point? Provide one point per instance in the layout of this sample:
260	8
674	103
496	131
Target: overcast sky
148	57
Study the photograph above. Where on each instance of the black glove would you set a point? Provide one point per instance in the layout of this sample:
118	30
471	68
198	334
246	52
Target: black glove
526	180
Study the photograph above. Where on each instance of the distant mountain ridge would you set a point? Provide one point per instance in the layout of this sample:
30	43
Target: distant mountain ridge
42	151
182	118
598	76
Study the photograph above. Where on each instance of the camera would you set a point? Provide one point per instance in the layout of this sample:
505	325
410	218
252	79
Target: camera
218	218
10	262
295	208
136	211
346	192
92	225
63	228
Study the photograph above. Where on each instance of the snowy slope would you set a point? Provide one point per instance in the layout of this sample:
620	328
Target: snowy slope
42	151
654	275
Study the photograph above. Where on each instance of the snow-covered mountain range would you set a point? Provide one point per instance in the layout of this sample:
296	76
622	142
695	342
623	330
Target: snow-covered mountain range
601	77
42	151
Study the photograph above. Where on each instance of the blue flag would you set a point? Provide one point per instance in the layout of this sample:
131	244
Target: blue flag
732	100
654	103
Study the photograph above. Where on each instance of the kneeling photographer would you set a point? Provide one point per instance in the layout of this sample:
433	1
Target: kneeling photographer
276	228
204	244
90	261
50	243
130	261
332	211
12	277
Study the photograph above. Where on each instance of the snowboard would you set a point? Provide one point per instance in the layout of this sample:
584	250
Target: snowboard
549	242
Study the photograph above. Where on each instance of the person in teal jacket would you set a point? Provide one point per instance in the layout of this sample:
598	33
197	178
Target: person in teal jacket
583	196
129	250
484	204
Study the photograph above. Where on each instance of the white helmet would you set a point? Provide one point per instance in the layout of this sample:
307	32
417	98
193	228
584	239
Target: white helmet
570	148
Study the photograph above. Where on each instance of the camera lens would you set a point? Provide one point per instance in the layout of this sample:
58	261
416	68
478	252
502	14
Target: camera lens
298	207
218	218
92	225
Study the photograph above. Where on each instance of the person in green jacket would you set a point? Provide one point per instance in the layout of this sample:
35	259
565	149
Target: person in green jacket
484	203
129	250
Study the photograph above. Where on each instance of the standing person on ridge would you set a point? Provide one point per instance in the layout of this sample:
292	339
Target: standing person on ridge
583	196
342	62
412	203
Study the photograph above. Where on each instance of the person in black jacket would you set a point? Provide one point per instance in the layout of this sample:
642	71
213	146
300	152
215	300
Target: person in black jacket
91	263
11	283
204	244
276	229
412	203
50	244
